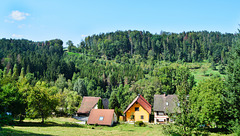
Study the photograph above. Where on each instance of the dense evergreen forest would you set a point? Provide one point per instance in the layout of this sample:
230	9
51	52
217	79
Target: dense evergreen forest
185	46
119	66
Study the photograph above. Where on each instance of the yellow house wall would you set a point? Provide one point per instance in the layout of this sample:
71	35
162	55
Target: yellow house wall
137	114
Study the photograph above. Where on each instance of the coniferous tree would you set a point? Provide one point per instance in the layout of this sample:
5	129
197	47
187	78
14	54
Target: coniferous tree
100	104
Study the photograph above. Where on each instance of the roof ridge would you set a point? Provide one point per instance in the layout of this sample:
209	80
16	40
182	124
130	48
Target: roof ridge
145	100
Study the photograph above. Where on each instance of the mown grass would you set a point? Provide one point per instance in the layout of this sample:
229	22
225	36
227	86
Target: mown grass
68	127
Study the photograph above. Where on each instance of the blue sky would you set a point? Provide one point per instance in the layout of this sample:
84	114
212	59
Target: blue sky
41	20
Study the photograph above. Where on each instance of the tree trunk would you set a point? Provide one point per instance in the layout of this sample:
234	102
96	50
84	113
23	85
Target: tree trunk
42	118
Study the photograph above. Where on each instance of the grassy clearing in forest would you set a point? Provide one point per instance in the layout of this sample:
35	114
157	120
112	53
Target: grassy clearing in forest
201	70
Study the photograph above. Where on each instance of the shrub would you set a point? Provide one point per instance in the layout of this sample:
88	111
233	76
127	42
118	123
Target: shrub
140	124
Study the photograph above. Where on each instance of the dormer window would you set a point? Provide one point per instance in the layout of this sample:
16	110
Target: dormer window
167	103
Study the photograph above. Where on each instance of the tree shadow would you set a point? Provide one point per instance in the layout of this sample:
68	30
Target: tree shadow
12	132
47	124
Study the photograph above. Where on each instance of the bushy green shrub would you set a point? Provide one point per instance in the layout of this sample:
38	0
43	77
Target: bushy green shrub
140	124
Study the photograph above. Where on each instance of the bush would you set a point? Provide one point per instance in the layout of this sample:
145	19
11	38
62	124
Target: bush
140	124
236	129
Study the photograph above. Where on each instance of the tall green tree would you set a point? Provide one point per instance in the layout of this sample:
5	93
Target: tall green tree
207	103
232	92
61	82
80	87
41	103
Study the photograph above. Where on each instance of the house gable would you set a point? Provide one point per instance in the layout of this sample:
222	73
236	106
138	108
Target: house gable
140	108
140	114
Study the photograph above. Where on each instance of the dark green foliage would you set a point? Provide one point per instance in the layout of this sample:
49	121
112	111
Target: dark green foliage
187	46
100	104
44	59
139	124
113	101
221	69
5	119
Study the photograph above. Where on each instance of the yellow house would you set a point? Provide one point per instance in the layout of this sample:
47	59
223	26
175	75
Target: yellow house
138	110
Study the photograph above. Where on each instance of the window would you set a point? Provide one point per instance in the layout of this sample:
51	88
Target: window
142	117
136	108
160	113
101	118
167	103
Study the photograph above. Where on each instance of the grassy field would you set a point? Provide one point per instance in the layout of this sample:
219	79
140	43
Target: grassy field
68	127
201	70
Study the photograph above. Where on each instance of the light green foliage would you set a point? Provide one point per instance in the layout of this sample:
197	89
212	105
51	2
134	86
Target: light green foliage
11	100
71	102
40	103
61	82
232	92
80	87
15	72
207	103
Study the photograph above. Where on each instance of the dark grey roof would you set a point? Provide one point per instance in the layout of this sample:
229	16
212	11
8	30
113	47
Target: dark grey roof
166	103
105	103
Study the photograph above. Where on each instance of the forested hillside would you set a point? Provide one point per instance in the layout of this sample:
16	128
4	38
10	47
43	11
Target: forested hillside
117	65
44	59
185	46
118	61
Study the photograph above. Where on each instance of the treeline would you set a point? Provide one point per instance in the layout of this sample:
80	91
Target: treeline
185	46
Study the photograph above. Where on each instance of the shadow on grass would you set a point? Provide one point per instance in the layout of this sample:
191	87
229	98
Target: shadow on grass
12	132
47	124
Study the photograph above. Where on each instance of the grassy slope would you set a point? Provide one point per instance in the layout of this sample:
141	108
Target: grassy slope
64	127
197	69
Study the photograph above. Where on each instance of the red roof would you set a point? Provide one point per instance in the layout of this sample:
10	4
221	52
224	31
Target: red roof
87	104
107	116
143	102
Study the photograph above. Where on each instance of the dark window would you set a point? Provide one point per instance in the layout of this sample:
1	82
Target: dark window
142	117
136	108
